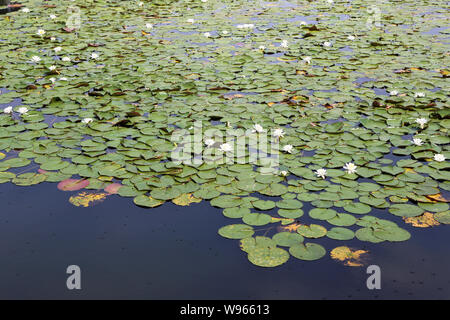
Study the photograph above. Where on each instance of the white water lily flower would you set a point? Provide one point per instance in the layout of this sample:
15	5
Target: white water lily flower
66	59
419	95
140	4
303	23
52	39
439	157
307	59
8	110
63	79
94	55
57	49
209	142
52	80
207	34
350	37
149	26
35	59
284	44
225	32
277	133
262	48
22	110
52	16
393	92
51	68
330	1
350	167
288	148
87	120
26	10
190	20
327	44
417	141
40	32
204	0
257	128
284	173
422	122
321	173
226	147
246	26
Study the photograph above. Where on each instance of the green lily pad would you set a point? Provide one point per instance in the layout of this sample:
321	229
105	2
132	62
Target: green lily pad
307	251
268	257
236	231
256	219
405	210
145	201
338	233
312	231
287	239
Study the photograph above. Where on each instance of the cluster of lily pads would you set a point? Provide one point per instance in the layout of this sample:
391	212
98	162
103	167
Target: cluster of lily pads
363	111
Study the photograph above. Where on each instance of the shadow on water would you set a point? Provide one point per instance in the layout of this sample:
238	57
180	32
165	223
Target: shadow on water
174	252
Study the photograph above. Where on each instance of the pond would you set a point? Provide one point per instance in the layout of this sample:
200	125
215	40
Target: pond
225	150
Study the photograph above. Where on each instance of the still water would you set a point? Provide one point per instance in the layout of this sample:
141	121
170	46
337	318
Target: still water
170	252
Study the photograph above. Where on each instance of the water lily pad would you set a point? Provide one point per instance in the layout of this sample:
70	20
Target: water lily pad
236	231
264	204
185	199
342	220
287	239
351	258
405	210
366	234
322	213
289	204
312	231
29	179
434	207
226	201
145	201
73	184
268	257
236	212
256	219
113	188
443	217
307	251
392	234
358	208
291	214
85	199
338	233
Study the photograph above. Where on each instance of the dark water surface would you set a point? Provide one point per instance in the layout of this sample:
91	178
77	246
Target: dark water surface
174	252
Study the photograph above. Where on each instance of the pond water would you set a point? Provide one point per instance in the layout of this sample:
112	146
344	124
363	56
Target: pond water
346	83
173	252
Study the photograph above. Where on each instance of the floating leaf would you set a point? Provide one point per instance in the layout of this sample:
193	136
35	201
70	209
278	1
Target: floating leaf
85	199
424	221
307	251
312	231
268	257
73	184
405	210
185	199
351	258
287	239
443	217
338	233
236	231
392	234
145	201
256	219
